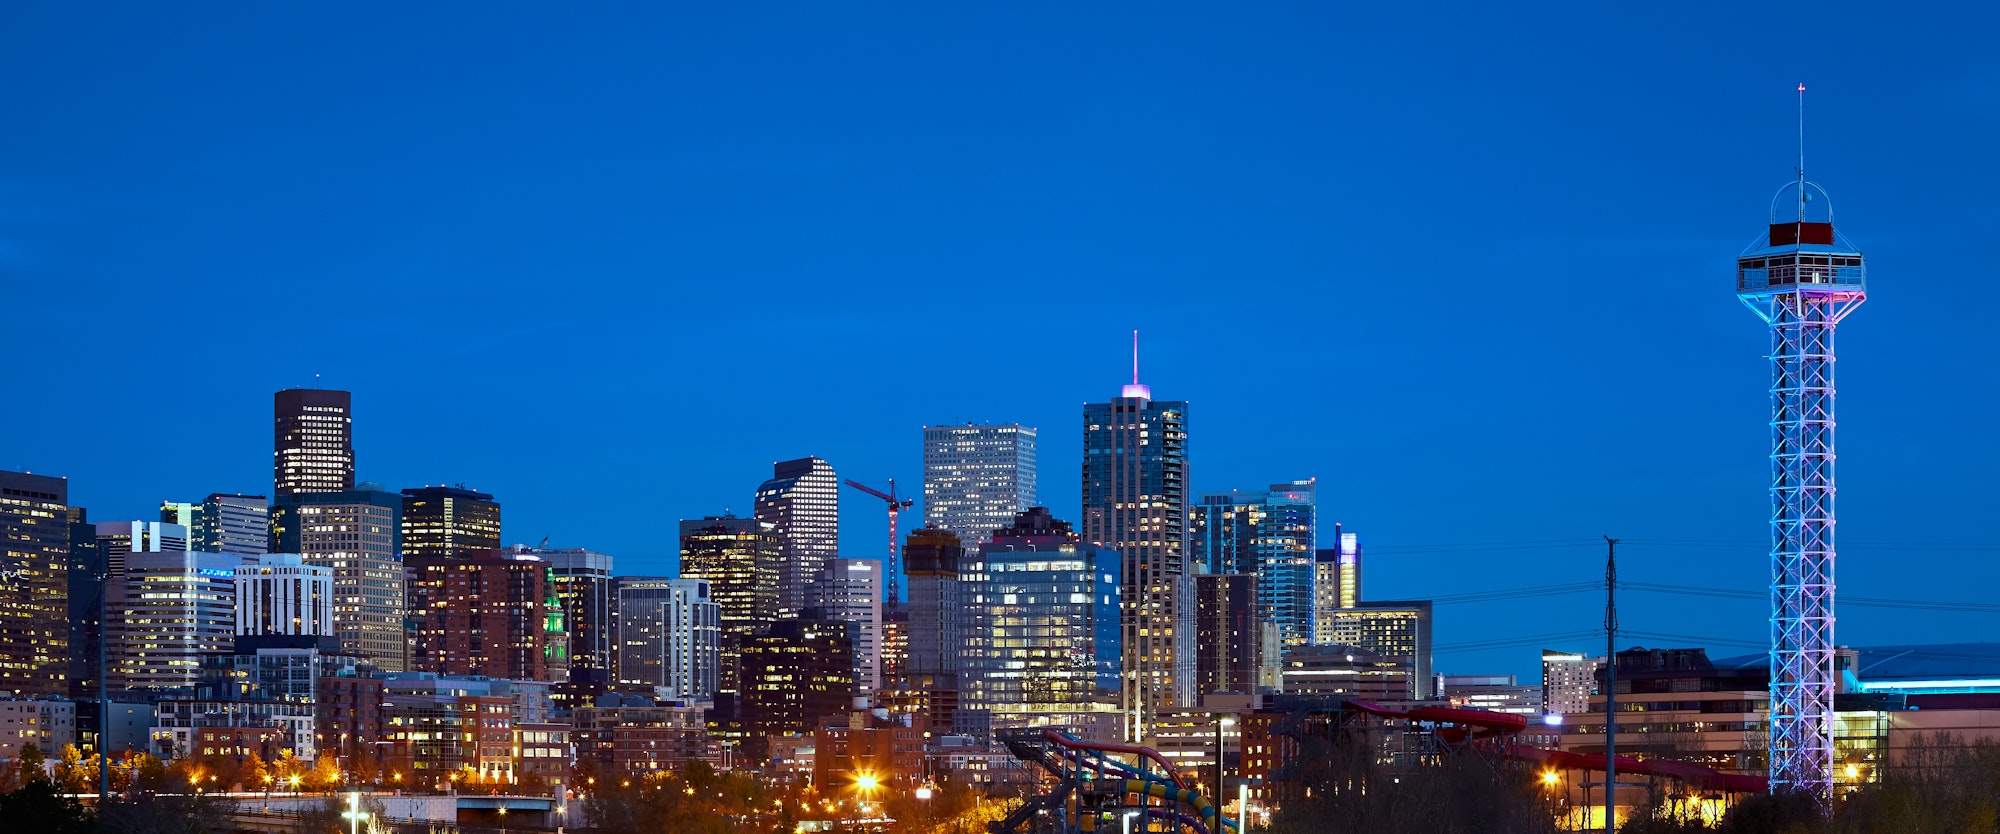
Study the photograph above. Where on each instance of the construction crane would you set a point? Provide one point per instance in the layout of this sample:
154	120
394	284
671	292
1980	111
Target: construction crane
892	570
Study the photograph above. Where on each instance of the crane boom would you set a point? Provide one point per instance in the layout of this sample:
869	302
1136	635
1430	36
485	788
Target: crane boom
893	568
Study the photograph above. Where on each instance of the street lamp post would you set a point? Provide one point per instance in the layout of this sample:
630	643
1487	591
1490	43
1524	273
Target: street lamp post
354	814
1221	722
1128	821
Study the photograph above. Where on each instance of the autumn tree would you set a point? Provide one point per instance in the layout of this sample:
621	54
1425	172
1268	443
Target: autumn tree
253	774
31	764
71	775
324	776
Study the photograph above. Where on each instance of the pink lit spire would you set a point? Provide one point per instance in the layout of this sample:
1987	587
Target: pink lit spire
1135	389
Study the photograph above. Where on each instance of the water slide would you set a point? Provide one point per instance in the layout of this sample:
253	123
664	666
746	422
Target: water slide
1067	757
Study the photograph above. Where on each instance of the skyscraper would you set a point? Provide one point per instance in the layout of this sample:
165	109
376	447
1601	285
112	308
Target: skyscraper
802	503
164	611
739	558
931	558
359	535
88	572
1229	630
486	612
238	525
851	591
584	586
34	599
1052	604
313	444
448	521
976	477
1268	534
794	674
670	636
1336	582
119	538
1135	501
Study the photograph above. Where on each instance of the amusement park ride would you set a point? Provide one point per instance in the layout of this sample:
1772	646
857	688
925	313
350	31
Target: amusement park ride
1093	786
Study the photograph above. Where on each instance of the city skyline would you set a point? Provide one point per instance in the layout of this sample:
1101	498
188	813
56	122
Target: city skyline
1325	206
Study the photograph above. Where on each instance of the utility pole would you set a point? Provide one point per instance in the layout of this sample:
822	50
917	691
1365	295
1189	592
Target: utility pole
103	688
1610	683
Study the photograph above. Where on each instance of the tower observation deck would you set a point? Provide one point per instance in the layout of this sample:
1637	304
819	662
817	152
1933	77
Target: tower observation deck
1801	278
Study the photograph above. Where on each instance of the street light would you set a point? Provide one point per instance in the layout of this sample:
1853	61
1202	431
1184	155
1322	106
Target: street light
354	815
1224	721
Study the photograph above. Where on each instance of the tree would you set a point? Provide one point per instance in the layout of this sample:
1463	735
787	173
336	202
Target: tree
253	774
32	765
71	775
365	767
38	807
325	774
164	813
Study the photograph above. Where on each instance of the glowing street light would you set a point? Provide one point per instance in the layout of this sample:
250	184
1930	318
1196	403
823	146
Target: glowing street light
354	815
923	792
1550	778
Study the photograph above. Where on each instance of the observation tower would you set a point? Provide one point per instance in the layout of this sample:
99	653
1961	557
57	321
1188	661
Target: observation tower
1801	278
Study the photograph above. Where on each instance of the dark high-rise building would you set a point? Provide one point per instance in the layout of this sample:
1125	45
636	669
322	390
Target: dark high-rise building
739	558
589	601
359	534
795	674
802	503
486	612
88	572
34	598
313	446
1135	502
448	521
930	559
1228	633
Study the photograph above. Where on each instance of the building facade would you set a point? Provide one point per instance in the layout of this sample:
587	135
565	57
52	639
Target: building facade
486	612
1492	693
441	521
589	599
1335	672
34	585
976	477
1336	582
739	558
1568	681
1397	629
670	636
850	591
1229	631
795	673
231	524
279	594
164	612
1135	502
359	536
1269	534
1053	638
801	502
313	442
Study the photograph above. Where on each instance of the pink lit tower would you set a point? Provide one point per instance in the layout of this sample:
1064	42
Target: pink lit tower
1801	279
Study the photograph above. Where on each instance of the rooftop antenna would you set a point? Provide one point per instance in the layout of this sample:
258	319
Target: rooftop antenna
1135	357
1802	152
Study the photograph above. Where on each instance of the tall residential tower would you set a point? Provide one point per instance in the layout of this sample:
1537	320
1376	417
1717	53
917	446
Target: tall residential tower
1135	502
802	503
313	443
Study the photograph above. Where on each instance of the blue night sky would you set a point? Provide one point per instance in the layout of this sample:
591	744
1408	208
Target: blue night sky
1471	268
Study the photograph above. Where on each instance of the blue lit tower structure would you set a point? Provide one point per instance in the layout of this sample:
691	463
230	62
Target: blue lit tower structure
1801	279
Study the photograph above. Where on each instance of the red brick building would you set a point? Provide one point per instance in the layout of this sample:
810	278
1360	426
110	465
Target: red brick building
888	750
486	612
636	736
347	718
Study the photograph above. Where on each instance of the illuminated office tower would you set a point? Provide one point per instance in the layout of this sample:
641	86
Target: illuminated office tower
739	558
1135	502
279	594
1051	606
669	635
359	535
802	503
977	477
165	610
34	600
1395	629
1568	681
851	591
448	521
1336	582
238	525
313	443
1268	534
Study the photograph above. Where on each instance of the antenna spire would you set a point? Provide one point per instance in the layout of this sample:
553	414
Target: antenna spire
1802	152
1135	357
